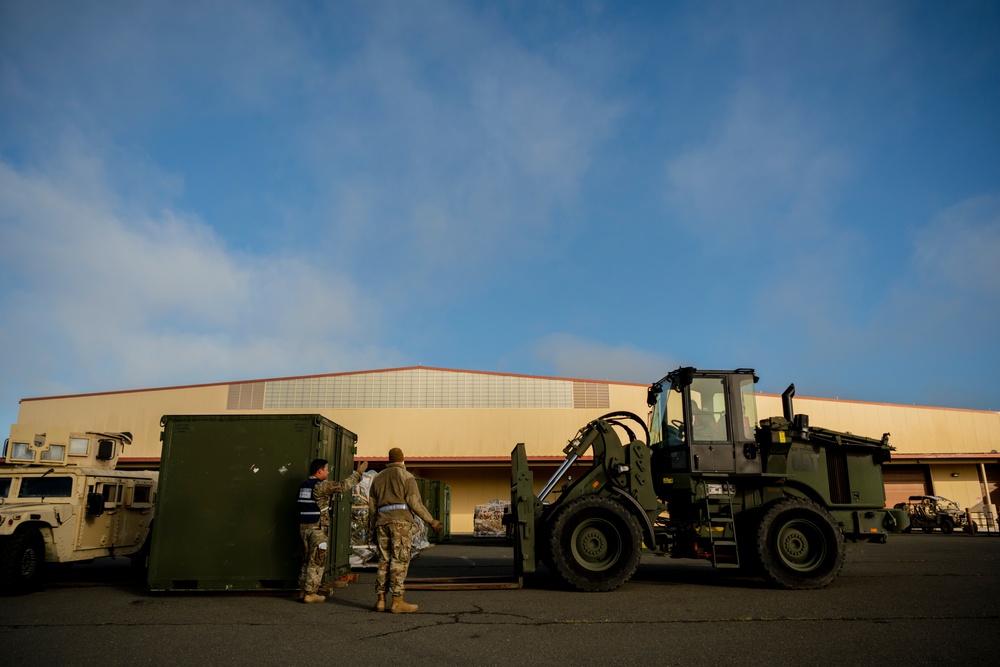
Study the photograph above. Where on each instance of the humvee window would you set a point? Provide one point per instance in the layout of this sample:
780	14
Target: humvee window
20	451
141	494
4	487
112	494
54	453
46	487
79	446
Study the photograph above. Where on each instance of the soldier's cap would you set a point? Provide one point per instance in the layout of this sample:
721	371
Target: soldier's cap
395	455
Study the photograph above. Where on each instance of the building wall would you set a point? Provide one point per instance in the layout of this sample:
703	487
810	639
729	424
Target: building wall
912	429
460	426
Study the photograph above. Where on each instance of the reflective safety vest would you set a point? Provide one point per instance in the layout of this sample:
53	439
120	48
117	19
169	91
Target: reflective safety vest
308	508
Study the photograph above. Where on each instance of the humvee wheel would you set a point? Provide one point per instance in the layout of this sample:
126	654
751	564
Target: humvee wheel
21	559
799	544
947	527
595	544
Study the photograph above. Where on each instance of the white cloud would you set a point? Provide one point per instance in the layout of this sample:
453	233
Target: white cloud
945	303
764	174
463	144
98	299
960	248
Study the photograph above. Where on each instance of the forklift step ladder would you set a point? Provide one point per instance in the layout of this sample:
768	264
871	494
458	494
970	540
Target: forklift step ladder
719	515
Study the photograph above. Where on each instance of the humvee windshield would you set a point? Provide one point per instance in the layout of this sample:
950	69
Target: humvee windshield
46	487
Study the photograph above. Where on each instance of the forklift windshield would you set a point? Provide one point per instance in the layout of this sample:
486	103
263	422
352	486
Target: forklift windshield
667	433
707	409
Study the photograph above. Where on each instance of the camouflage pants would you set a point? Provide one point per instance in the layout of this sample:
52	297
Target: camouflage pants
393	556
314	550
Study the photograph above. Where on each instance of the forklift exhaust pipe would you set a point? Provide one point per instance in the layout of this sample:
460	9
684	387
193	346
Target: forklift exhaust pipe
786	403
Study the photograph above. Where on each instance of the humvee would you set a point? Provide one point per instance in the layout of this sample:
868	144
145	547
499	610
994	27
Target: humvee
63	501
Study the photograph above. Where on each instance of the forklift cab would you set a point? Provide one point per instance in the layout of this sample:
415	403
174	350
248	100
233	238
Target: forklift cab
704	421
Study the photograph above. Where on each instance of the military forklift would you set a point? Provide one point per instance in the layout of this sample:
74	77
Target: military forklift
703	480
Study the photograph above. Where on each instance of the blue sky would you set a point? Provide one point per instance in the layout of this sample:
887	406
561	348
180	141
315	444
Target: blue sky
223	190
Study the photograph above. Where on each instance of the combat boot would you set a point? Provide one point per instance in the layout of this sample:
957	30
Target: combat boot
400	607
380	604
312	598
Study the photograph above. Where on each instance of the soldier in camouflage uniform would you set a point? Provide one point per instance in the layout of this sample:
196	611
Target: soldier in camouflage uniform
392	502
315	500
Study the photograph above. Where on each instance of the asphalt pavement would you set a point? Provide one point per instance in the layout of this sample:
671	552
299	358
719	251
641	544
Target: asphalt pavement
918	600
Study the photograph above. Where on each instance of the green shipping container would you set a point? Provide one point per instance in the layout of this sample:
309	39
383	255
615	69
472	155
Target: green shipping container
436	497
227	508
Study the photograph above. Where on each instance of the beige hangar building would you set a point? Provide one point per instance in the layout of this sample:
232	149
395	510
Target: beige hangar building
460	426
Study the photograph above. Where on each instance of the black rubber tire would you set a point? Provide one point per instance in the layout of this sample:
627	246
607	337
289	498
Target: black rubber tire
22	557
972	528
595	544
947	526
544	553
747	526
800	545
140	559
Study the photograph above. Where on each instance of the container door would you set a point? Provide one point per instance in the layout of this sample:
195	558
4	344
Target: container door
343	449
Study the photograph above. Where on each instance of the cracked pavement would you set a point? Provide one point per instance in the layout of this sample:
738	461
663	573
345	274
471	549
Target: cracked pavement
918	600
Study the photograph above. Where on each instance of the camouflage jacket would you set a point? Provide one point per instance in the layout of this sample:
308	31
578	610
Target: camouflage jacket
324	491
395	486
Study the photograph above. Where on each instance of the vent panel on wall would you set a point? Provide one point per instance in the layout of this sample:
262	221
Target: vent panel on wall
417	388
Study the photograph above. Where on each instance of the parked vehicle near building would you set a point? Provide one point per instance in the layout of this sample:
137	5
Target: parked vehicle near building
935	512
63	501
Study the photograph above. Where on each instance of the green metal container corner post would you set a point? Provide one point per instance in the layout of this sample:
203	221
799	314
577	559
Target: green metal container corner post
227	514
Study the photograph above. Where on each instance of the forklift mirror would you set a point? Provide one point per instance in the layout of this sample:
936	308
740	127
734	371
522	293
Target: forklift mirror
654	390
685	376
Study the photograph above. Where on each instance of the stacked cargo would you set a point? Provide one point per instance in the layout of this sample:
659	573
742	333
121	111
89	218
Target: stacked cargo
487	519
435	495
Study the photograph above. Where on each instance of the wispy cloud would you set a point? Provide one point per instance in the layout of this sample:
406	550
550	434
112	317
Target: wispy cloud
960	249
764	174
462	145
115	298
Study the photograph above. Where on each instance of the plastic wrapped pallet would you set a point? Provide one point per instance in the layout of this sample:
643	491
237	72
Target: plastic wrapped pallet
487	521
363	548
